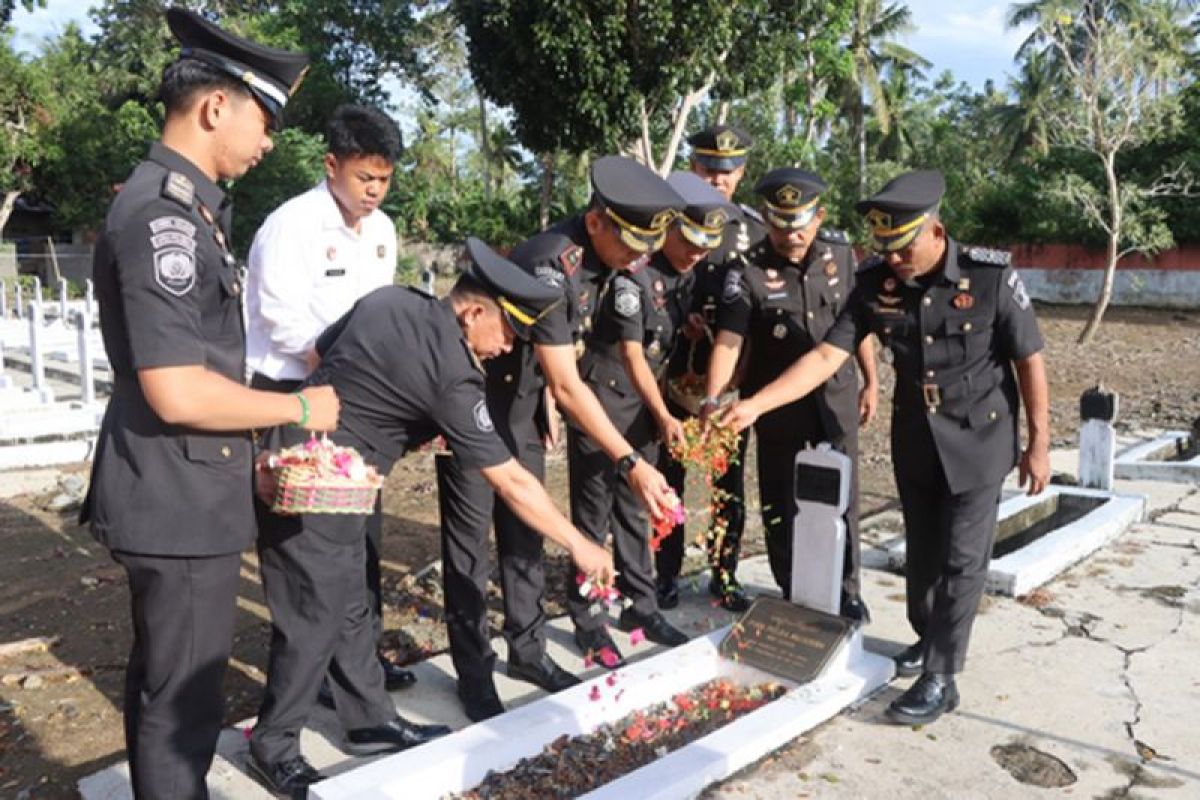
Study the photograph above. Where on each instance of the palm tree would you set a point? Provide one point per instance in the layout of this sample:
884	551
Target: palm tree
1023	122
873	51
896	143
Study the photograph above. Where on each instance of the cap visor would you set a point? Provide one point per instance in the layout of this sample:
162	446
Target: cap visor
641	243
790	221
699	238
720	163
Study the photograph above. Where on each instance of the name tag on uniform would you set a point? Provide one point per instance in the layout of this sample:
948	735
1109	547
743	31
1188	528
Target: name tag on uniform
334	273
777	296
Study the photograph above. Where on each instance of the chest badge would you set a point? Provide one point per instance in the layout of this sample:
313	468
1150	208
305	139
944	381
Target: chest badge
889	284
380	251
659	286
888	299
331	252
780	331
772	274
963	301
655	348
570	259
964	284
831	270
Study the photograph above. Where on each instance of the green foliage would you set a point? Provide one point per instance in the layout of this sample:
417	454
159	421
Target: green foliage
292	167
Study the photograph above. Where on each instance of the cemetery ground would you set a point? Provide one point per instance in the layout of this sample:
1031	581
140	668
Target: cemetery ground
60	705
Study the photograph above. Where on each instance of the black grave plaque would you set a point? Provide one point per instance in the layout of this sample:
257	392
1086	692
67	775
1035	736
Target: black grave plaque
784	639
816	484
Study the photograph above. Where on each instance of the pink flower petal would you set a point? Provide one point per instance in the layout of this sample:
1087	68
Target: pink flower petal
611	680
637	636
608	657
594	694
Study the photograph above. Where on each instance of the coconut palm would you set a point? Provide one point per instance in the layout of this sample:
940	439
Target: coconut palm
1024	121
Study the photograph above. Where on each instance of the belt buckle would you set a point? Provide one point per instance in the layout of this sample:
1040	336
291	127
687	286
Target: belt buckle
932	394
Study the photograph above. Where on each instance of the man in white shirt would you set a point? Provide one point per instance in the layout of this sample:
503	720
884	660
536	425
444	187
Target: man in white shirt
318	253
311	261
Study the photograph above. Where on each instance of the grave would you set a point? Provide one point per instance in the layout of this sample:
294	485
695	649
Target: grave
1174	456
1040	536
775	641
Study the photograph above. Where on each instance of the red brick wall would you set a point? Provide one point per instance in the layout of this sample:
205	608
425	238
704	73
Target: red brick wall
1071	256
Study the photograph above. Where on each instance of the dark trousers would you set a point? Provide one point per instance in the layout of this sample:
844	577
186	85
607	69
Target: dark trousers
183	615
374	574
779	439
468	506
723	555
601	502
320	621
948	547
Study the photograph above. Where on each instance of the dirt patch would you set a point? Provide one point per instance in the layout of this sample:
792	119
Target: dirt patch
56	582
1033	767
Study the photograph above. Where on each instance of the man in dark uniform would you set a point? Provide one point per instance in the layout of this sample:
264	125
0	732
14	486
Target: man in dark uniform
956	320
719	157
626	352
629	212
407	366
170	495
780	306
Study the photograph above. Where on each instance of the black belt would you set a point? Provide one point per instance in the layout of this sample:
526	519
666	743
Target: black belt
934	395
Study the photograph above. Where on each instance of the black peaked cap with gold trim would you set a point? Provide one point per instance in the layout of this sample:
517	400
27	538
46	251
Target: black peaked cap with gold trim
522	298
720	147
635	198
898	211
790	196
271	75
706	211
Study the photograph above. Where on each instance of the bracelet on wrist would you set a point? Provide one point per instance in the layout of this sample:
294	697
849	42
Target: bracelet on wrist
303	409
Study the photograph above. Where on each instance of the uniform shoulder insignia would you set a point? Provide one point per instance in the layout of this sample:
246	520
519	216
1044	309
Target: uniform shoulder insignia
179	187
833	236
571	258
732	289
987	255
628	297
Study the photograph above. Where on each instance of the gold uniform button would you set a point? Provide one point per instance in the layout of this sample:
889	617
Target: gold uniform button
928	340
929	373
810	315
967	326
225	451
612	382
927	301
992	415
508	378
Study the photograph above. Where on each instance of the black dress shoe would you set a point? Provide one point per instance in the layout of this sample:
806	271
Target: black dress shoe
592	641
396	677
910	661
289	778
853	608
931	696
480	702
731	595
543	672
391	737
667	593
655	626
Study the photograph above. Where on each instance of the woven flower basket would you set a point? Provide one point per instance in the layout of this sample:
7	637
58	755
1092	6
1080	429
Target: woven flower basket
302	491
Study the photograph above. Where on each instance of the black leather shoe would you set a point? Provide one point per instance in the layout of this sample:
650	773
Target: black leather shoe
731	596
655	626
290	778
910	661
480	702
853	608
591	642
391	737
544	673
396	677
667	593
931	696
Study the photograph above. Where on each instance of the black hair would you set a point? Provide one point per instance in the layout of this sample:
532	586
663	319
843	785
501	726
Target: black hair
361	131
468	287
184	78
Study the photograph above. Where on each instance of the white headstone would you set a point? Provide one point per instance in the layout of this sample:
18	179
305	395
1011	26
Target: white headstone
3	300
62	301
87	371
37	291
822	489
89	298
1097	454
5	381
19	302
427	280
37	356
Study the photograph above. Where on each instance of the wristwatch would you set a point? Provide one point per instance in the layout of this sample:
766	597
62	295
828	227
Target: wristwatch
626	463
710	402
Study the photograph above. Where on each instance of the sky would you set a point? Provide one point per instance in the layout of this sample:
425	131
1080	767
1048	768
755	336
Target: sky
970	40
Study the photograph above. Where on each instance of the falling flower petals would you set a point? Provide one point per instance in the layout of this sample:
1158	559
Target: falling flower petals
637	636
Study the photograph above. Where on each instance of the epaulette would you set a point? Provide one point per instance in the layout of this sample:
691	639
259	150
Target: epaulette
548	247
179	187
422	291
833	236
988	256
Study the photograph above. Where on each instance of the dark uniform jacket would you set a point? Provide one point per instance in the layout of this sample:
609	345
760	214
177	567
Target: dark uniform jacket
170	295
952	338
782	310
649	306
562	257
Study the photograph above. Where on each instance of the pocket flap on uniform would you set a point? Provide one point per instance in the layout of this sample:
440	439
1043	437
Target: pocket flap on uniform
988	410
965	325
215	449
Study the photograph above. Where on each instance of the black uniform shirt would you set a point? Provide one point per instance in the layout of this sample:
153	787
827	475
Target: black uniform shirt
404	373
952	339
169	292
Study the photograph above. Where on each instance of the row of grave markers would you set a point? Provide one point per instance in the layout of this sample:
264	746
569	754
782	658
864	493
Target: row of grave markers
64	305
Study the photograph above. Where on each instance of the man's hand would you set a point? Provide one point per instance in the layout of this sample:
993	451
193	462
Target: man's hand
595	562
265	479
553	425
868	404
670	429
739	416
1034	468
651	487
311	359
695	328
323	408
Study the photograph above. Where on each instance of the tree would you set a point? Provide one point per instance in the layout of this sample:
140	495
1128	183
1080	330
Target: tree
873	52
7	7
23	120
1115	58
1024	122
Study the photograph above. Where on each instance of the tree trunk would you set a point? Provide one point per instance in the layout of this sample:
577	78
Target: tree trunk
722	112
810	95
547	191
6	208
485	147
1115	220
860	140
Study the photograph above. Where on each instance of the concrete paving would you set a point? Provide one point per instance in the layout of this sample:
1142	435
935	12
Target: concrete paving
1086	688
